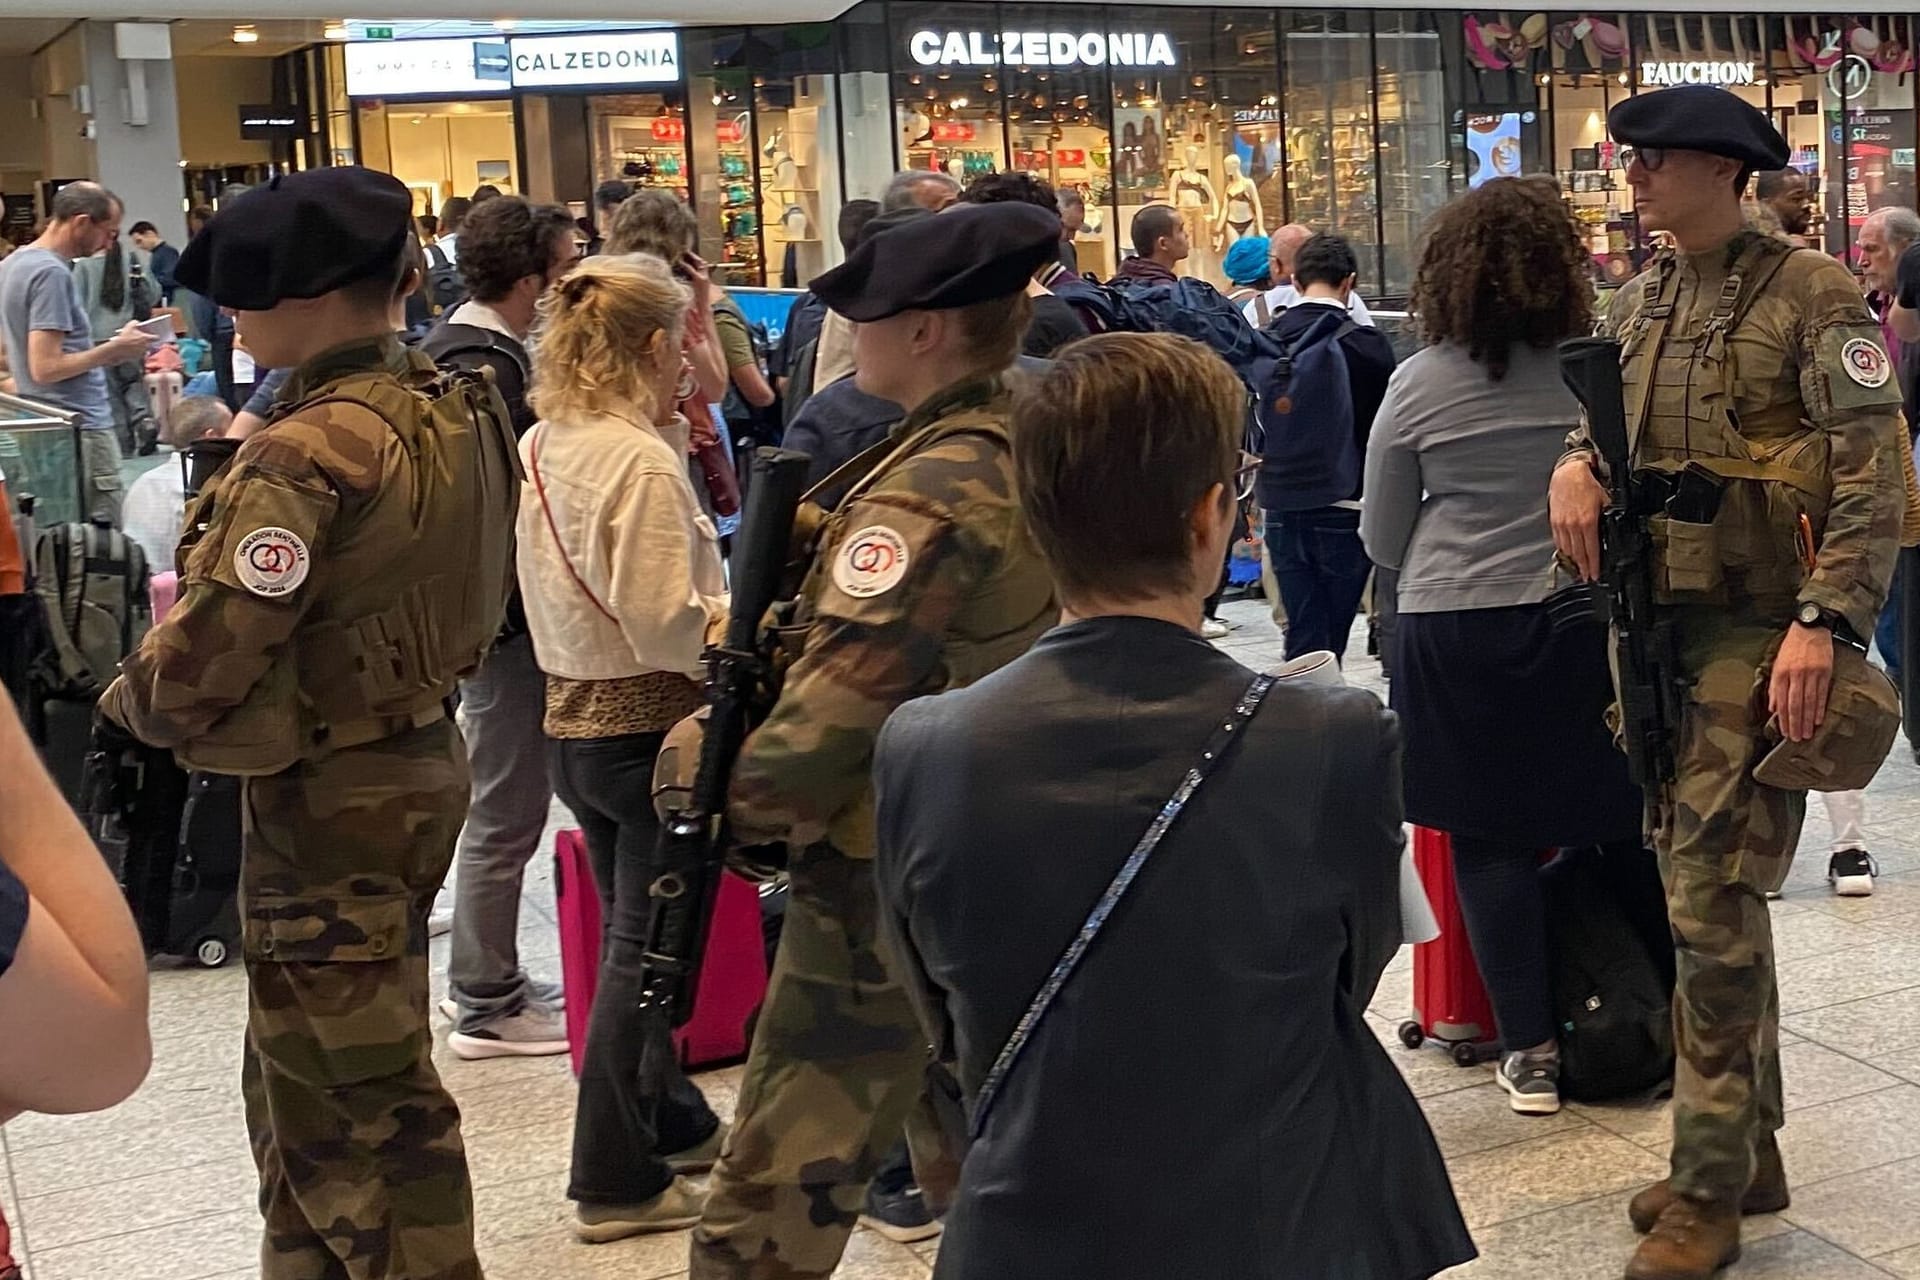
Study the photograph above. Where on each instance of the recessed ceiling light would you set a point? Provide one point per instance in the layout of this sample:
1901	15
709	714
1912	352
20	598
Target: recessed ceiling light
335	31
505	24
246	35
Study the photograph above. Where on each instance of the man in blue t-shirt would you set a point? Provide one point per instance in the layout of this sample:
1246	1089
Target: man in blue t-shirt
49	340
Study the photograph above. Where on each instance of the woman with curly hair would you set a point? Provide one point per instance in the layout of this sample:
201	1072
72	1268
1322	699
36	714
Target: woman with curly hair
1506	747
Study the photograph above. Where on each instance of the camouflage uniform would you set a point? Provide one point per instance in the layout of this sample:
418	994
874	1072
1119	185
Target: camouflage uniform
926	580
1761	363
337	577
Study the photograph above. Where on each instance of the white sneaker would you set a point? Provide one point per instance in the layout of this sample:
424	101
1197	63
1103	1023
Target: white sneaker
533	1032
1215	629
1851	873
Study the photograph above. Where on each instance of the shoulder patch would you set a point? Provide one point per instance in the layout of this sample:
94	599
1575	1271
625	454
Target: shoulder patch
870	562
1865	362
271	562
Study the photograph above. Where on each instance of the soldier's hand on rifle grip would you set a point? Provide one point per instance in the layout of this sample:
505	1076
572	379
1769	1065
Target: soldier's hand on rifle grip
1575	498
1802	677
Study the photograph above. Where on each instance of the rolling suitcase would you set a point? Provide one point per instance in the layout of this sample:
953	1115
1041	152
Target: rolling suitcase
733	979
1450	1003
162	390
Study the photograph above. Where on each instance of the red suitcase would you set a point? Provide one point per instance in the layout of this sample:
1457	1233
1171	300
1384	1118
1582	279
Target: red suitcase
733	980
1450	1002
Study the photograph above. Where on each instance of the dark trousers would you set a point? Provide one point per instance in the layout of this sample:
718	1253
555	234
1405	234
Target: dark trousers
1322	570
636	1105
1887	632
1506	914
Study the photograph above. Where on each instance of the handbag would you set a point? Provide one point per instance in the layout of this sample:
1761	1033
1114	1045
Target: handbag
944	1091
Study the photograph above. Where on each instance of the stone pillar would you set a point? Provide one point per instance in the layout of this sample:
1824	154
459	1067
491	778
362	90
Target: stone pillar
140	162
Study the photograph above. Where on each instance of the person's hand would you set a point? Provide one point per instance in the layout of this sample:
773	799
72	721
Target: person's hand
1802	675
1575	498
701	432
700	277
129	344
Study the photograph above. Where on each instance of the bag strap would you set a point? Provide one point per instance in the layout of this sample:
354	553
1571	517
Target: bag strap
1217	746
540	487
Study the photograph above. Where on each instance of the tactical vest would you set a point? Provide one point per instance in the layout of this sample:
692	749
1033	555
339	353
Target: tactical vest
385	637
1775	464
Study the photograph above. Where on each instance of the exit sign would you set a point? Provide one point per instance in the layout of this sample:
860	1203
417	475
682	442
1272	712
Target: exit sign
379	33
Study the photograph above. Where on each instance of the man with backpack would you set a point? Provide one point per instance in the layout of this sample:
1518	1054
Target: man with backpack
445	288
1317	400
510	251
1148	297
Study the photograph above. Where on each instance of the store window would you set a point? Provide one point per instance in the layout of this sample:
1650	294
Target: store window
1060	125
1412	168
867	131
717	130
441	149
1332	169
948	89
797	154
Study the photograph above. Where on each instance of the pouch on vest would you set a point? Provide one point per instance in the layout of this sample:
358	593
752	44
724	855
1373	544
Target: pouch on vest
1863	713
1688	558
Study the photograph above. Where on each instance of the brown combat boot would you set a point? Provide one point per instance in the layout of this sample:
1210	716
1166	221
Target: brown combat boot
1691	1240
1767	1193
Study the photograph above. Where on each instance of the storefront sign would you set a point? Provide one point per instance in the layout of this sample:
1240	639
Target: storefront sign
952	131
404	68
1070	157
670	129
1041	48
730	131
605	58
1721	73
269	123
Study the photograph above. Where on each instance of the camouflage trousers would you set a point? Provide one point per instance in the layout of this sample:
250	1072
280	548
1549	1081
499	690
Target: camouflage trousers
362	1173
835	1075
1723	841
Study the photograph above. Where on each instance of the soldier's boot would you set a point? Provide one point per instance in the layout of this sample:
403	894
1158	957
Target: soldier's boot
1767	1193
1691	1240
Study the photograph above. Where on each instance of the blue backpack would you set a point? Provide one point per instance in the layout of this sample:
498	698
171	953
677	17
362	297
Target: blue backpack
1191	308
1303	418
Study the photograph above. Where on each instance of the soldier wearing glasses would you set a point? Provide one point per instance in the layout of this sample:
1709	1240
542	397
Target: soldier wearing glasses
1757	362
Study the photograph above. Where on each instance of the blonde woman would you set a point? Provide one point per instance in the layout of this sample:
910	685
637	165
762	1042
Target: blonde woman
621	575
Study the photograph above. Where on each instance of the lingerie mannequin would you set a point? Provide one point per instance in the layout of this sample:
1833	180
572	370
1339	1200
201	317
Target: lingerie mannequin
1193	195
1240	213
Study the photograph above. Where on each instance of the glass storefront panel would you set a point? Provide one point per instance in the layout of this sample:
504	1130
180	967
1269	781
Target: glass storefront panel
796	153
1410	106
1060	121
866	125
441	149
1328	97
718	128
947	88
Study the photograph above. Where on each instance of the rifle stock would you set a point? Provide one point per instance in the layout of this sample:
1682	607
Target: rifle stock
1646	658
692	841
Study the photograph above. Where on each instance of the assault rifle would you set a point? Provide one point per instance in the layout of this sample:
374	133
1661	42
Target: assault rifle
1646	659
692	837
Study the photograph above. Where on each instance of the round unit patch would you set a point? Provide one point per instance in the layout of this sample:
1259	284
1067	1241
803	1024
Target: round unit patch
271	562
871	562
1866	363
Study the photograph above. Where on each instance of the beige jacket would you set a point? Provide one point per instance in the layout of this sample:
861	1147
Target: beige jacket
619	567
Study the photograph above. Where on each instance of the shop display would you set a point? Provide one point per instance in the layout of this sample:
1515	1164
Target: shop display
1240	214
642	139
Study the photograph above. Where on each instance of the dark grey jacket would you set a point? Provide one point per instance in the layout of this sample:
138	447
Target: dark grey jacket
1205	1099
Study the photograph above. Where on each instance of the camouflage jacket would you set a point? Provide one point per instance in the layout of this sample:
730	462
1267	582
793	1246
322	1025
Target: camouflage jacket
926	579
1806	356
338	575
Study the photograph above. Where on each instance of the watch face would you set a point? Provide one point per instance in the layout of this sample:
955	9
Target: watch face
1809	615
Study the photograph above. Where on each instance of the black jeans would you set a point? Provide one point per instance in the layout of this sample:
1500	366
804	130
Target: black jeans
1506	913
636	1105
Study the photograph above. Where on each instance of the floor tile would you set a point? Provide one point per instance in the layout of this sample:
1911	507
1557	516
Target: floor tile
1479	1119
1814	933
1905	1263
1870	1028
1545	1173
1893	895
1856	973
1852	1134
136	1204
170	1100
191	1250
1587	1241
1427	1070
1865	1214
1644	1121
132	1153
1813	1074
1800	1256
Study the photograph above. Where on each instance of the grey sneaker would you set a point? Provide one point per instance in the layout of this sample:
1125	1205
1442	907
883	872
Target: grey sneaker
1532	1082
675	1209
533	1032
701	1156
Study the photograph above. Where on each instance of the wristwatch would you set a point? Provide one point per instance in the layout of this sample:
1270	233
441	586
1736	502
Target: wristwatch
1812	615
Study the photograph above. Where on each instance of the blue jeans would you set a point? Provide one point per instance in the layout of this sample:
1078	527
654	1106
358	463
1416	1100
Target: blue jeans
1886	633
1322	570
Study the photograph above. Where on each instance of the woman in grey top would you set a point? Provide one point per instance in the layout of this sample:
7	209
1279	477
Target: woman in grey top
1506	749
117	285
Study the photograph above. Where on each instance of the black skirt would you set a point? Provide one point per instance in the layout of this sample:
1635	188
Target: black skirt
1505	732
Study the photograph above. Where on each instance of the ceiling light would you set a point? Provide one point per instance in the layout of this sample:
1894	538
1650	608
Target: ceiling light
246	35
505	24
335	31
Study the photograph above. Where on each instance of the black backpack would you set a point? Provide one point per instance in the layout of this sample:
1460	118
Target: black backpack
1613	1006
471	347
445	289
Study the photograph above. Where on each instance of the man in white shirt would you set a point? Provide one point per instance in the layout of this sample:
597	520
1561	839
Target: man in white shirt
157	502
1283	245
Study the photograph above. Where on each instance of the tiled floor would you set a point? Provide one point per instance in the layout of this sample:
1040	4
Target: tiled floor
161	1187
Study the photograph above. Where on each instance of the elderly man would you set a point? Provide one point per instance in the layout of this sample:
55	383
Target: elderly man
1281	247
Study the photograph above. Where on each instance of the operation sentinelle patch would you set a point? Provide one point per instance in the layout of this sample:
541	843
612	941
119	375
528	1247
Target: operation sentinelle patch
1866	363
271	562
871	562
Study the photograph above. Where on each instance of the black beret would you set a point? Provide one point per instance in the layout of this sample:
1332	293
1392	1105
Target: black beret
301	235
966	254
1699	117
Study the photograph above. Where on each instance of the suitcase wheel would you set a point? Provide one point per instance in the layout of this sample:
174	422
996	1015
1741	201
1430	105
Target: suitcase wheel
211	952
1467	1054
1411	1035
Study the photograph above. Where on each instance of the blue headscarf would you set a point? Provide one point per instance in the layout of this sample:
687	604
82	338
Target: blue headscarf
1247	260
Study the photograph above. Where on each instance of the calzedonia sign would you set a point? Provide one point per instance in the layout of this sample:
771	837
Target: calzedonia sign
1724	74
616	57
1041	48
428	68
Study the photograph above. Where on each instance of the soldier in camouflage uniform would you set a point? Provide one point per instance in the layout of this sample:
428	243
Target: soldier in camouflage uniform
925	580
337	577
1759	363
